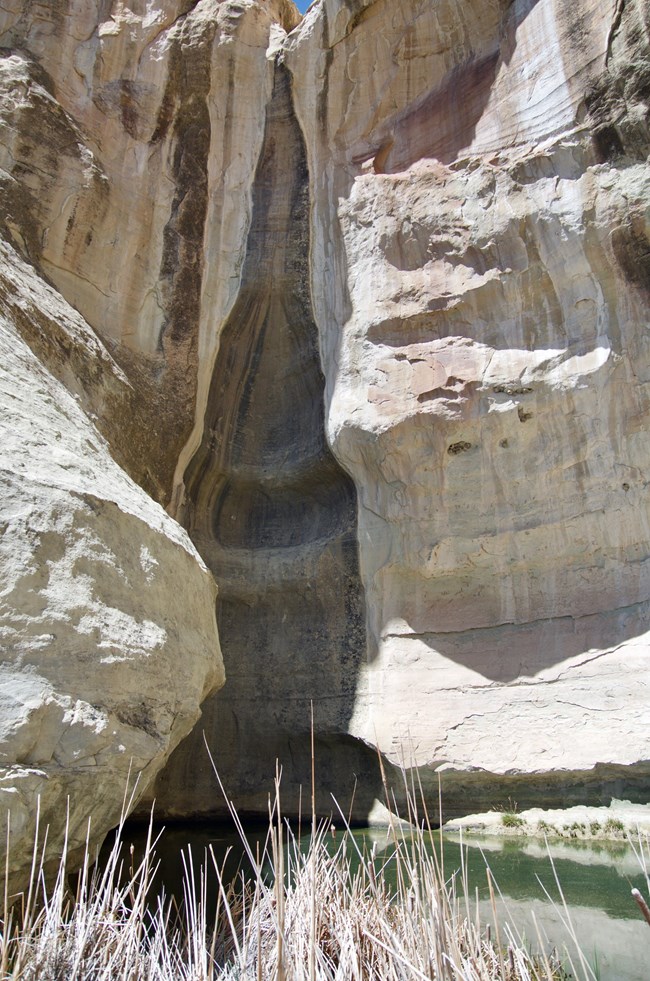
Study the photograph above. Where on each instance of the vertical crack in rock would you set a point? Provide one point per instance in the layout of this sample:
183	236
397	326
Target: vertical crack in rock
274	516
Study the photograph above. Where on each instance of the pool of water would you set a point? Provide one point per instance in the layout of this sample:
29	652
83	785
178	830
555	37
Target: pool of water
596	879
595	882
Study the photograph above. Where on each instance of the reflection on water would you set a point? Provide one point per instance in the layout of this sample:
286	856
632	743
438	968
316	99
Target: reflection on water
596	879
592	874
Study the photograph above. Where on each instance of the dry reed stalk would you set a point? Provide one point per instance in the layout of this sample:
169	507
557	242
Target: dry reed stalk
641	903
312	923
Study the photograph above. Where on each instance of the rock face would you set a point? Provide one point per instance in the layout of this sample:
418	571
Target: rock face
119	127
108	631
103	599
272	513
372	294
480	277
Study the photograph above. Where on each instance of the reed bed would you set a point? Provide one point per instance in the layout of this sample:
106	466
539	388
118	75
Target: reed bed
321	914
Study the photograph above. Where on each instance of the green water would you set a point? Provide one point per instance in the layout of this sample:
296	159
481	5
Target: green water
596	879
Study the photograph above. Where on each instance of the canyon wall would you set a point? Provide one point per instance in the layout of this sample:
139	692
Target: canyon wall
272	512
480	277
369	291
108	631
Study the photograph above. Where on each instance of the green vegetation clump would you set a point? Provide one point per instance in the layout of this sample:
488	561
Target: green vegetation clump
576	829
613	826
511	820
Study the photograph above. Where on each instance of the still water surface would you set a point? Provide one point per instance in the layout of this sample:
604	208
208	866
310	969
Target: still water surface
596	880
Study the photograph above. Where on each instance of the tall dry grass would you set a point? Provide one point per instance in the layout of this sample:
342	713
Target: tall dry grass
313	915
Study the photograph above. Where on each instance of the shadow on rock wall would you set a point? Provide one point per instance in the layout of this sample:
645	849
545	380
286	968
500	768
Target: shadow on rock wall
274	516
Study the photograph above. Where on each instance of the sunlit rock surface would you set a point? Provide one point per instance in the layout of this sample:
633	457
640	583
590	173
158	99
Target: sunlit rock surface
480	279
129	135
108	634
372	294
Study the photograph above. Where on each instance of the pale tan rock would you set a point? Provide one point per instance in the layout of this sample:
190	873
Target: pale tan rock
620	820
481	198
129	134
129	141
107	625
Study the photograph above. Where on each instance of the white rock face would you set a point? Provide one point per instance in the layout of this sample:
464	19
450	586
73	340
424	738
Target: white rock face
480	280
107	624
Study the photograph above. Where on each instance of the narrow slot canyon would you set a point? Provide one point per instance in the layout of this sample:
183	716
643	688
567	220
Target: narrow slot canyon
274	517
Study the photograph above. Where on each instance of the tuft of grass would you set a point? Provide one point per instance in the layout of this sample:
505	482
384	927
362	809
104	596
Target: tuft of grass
594	827
510	820
613	826
576	829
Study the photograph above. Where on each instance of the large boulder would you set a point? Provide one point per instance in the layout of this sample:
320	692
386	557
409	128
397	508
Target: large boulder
107	621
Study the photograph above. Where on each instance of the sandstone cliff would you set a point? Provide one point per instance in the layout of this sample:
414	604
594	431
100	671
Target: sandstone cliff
480	276
108	632
373	286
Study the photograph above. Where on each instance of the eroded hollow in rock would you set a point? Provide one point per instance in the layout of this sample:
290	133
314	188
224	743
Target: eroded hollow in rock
274	516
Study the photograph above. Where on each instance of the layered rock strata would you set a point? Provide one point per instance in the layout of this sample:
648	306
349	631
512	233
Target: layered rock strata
274	516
